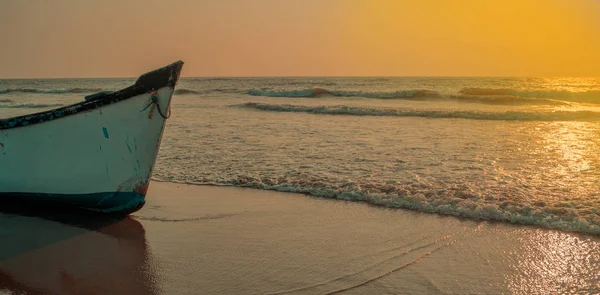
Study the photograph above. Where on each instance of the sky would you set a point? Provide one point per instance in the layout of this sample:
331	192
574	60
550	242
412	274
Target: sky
124	38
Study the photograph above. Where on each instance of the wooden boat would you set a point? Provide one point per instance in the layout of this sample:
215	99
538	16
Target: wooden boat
97	154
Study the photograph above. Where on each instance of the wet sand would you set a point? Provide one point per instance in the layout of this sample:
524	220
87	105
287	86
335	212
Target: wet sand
224	240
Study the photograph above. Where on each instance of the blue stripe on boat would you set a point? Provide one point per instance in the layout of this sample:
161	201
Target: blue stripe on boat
109	202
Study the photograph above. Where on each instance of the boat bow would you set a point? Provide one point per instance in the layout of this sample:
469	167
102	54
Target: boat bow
97	154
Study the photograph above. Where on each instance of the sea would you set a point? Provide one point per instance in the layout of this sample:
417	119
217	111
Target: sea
514	150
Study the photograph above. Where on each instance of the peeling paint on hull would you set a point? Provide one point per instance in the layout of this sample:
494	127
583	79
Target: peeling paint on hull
81	154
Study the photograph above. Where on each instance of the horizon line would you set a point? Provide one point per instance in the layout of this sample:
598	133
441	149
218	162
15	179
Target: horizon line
291	76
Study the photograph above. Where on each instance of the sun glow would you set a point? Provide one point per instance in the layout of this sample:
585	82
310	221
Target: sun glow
514	37
302	38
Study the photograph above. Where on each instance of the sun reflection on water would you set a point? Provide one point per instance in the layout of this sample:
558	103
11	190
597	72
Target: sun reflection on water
556	263
575	145
570	84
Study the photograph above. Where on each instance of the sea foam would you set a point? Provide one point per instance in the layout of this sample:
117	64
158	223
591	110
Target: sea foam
449	114
446	202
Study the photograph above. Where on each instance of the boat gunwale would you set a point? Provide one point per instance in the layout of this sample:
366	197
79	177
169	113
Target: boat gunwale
163	77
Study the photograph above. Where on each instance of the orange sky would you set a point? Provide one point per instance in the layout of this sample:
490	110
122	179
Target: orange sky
108	38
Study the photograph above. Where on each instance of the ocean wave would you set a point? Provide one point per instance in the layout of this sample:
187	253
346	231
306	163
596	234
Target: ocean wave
50	91
312	83
592	96
507	100
470	95
486	91
187	91
217	78
29	106
452	202
317	92
183	91
449	114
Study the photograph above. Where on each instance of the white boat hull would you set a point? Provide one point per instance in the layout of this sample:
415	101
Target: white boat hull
99	159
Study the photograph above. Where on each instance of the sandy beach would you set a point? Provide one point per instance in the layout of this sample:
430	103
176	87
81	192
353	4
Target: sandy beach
225	240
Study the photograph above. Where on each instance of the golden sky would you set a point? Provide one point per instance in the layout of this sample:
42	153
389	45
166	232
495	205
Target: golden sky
122	38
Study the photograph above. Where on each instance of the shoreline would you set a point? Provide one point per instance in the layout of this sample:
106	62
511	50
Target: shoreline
558	226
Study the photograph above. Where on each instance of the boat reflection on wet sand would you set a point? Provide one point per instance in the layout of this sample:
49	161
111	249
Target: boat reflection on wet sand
72	253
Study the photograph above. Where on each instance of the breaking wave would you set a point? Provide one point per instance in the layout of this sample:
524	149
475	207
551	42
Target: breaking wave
317	92
186	91
585	96
50	91
507	100
472	95
454	202
316	82
183	91
455	114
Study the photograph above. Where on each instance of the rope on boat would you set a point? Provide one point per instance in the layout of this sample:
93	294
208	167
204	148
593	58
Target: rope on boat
155	102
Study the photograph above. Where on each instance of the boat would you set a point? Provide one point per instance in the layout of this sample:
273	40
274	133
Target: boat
97	154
